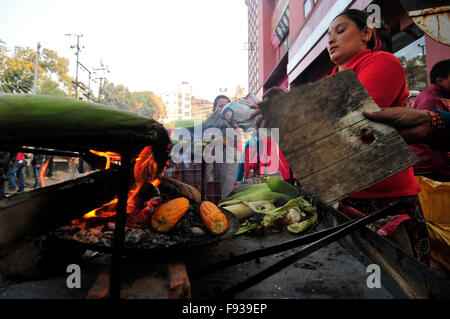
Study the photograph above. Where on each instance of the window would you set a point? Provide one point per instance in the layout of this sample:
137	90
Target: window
307	7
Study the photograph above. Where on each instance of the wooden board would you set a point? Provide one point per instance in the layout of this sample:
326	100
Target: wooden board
319	133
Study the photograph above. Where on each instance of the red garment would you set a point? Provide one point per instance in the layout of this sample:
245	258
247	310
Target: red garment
384	78
271	161
20	157
433	98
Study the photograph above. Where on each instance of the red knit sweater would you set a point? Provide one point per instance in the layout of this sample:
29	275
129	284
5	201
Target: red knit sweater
384	79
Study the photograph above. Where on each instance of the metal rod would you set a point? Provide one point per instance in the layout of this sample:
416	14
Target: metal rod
38	151
203	180
269	271
267	251
437	283
119	230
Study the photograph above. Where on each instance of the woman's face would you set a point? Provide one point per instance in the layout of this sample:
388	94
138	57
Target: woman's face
345	40
221	103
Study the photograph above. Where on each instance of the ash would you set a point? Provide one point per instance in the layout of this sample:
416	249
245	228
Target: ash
138	231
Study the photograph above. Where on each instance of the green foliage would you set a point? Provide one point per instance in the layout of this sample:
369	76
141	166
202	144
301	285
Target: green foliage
50	87
12	81
17	69
120	97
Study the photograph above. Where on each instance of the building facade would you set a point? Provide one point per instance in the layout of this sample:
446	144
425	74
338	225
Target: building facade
291	41
178	103
201	108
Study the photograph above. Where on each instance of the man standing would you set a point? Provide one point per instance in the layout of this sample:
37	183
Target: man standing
434	164
36	164
17	166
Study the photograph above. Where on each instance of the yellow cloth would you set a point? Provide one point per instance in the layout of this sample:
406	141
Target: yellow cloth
435	201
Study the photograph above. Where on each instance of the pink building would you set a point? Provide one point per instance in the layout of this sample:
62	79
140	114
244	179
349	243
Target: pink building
287	41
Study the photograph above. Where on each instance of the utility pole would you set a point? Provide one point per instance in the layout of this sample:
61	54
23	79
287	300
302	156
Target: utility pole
77	52
103	69
36	70
423	51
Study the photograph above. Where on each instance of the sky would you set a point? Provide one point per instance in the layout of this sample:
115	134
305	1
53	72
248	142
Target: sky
147	45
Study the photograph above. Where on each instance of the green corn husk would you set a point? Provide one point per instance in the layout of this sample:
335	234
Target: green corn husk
242	209
294	207
27	119
278	185
303	225
247	191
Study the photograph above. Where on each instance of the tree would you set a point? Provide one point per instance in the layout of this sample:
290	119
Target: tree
50	87
120	97
17	69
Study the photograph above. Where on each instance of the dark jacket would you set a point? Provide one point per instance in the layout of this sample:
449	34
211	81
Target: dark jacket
37	159
4	165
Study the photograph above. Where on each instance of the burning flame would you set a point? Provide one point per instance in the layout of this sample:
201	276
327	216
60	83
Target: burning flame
43	171
93	213
108	155
145	171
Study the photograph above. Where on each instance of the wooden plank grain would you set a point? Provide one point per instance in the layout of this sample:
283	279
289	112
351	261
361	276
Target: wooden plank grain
320	128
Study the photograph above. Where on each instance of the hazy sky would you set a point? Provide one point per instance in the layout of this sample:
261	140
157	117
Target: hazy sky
146	44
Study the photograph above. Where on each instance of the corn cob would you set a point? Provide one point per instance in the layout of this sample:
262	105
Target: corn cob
213	218
168	214
242	209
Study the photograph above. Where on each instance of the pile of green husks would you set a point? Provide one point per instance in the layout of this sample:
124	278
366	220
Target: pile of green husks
272	204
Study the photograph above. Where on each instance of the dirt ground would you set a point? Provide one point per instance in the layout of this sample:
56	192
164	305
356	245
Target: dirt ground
329	273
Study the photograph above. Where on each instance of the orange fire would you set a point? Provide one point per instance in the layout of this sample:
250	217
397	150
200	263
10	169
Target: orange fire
43	171
145	171
96	213
108	155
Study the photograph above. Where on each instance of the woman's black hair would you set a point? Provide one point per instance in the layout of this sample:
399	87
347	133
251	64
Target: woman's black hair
360	17
216	100
440	69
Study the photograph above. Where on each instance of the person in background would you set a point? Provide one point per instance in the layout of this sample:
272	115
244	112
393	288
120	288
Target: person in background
412	96
4	166
417	126
434	164
17	167
36	164
219	102
252	162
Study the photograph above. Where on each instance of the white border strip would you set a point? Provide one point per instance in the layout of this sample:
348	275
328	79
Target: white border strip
318	32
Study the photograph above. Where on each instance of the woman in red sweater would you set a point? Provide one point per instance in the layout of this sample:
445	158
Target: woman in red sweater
354	45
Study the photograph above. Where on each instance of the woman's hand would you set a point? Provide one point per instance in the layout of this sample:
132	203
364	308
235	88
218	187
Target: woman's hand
414	125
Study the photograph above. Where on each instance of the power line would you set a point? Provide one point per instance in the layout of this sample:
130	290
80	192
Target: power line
77	53
103	69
